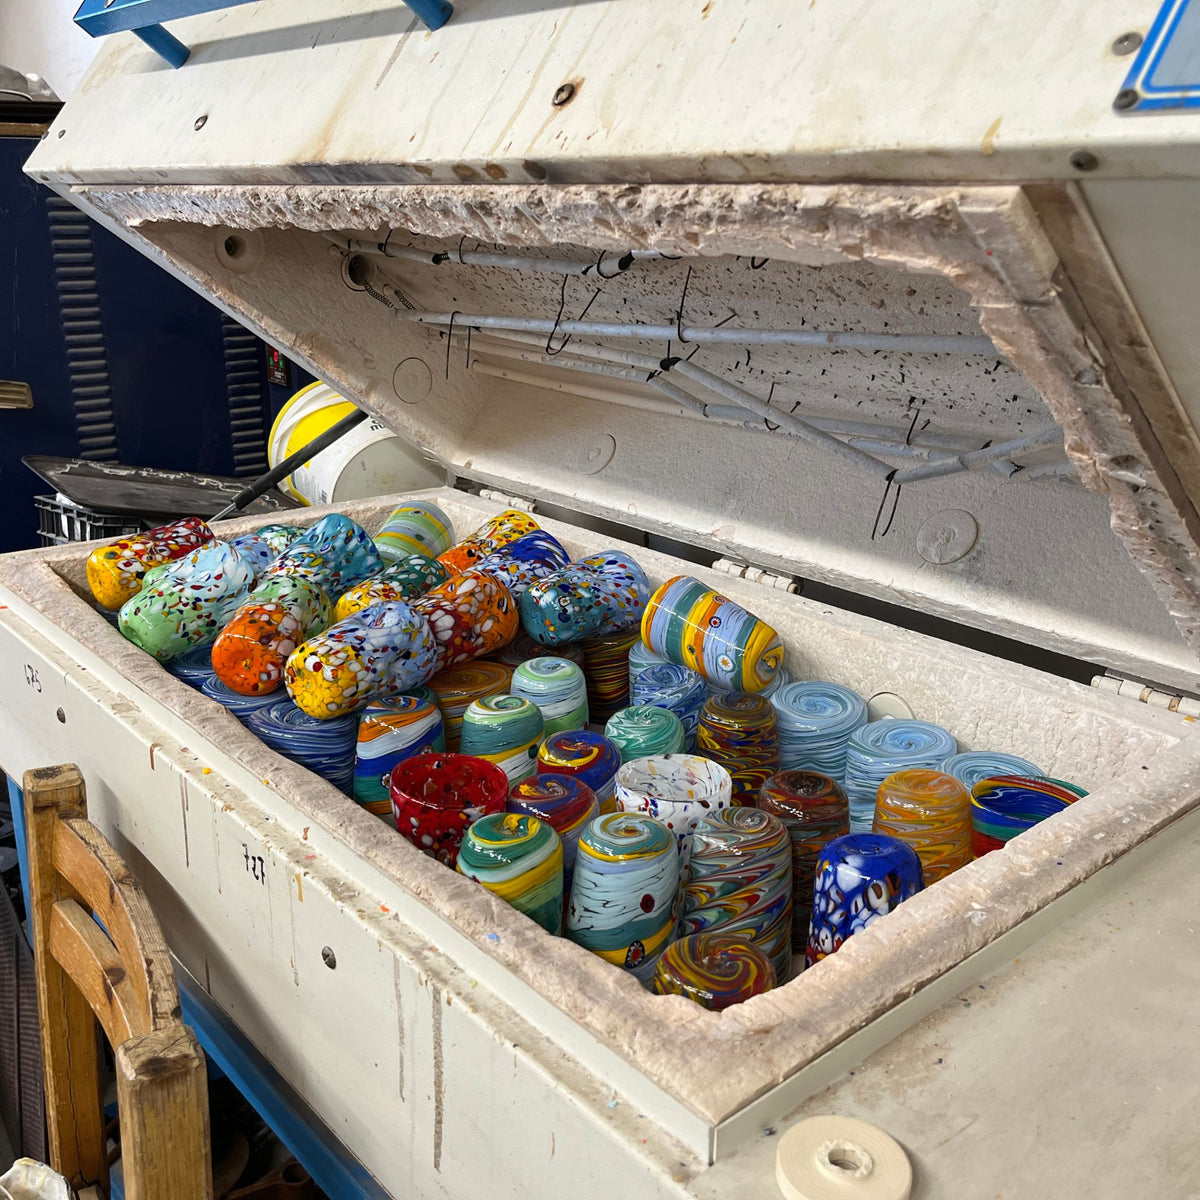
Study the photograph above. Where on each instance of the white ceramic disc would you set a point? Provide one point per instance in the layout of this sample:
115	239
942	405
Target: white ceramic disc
841	1158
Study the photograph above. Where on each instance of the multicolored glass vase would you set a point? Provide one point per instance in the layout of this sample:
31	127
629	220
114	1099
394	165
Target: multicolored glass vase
739	731
713	970
589	757
558	688
598	594
416	527
251	652
115	571
814	809
740	882
1008	805
642	731
675	688
520	564
860	878
470	615
693	626
931	812
971	766
376	654
877	749
325	748
520	859
562	801
504	730
335	553
493	534
279	537
815	723
605	664
388	733
186	602
435	797
677	789
457	688
624	895
405	578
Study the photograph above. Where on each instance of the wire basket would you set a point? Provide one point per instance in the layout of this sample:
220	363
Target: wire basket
61	520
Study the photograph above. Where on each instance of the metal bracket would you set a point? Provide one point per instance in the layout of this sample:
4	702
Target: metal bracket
143	17
517	502
1142	693
759	575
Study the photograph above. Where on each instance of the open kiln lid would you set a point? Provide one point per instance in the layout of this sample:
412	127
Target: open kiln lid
374	285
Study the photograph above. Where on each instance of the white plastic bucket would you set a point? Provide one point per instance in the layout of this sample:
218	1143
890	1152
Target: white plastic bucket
368	461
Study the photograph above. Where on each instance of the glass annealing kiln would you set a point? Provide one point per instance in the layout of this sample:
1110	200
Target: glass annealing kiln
855	301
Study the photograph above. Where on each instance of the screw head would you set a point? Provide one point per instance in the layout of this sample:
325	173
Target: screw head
1127	43
328	957
1083	160
62	716
1126	98
200	122
564	95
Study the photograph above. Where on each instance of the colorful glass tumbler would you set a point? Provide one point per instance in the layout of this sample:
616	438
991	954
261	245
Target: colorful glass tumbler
325	748
470	615
520	564
522	648
1007	805
814	810
739	731
557	687
971	766
740	882
877	749
494	533
251	652
678	689
713	970
520	859
642	730
376	654
416	527
605	663
388	733
562	801
235	702
280	537
693	626
599	594
335	554
405	578
457	688
931	812
860	878
115	571
641	657
186	602
624	896
815	723
677	789
590	757
435	797
504	730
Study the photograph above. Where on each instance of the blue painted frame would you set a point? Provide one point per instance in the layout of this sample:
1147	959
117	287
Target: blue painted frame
1157	97
145	17
334	1169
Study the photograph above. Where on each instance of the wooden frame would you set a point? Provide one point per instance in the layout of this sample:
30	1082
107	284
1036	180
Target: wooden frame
100	956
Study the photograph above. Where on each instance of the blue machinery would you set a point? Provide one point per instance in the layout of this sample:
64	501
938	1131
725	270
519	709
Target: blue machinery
145	17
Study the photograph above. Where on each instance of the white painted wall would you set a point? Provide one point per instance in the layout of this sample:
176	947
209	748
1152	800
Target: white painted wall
39	37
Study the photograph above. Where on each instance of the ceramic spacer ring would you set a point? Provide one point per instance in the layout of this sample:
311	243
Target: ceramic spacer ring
841	1158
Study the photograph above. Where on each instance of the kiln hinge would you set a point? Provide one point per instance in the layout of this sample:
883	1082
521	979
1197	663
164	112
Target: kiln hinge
752	574
518	502
1132	689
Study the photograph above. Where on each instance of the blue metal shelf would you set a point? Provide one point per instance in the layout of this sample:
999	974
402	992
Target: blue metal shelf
145	17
